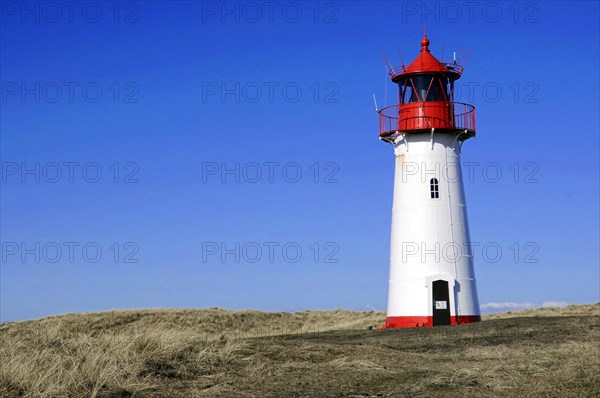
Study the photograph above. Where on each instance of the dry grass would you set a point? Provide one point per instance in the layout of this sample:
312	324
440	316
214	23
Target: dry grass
570	310
54	361
217	353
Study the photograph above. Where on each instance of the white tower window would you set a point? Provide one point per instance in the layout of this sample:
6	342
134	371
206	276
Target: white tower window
434	188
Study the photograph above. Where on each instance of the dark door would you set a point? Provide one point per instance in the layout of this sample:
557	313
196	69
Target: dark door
441	303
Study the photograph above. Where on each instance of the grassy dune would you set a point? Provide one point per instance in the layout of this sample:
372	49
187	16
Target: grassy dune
218	353
570	310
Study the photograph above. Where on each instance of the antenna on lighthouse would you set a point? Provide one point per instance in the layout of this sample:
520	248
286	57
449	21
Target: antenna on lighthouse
387	63
375	101
385	92
401	59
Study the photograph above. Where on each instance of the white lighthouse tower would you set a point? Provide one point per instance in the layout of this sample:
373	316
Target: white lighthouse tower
432	280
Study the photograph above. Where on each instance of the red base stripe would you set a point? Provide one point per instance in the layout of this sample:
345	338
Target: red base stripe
425	321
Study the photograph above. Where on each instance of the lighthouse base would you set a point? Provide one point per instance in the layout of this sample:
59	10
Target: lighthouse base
425	321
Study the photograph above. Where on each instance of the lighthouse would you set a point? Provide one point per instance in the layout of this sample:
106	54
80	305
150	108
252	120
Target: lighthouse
432	278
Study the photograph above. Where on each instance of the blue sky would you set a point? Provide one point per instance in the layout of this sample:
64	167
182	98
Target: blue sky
183	154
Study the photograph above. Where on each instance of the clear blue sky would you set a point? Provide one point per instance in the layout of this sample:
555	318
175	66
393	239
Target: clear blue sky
139	89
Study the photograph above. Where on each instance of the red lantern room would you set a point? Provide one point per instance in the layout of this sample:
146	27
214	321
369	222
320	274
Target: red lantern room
426	89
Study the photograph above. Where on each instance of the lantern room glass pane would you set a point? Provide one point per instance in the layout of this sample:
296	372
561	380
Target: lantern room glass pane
406	92
428	88
421	85
424	88
436	91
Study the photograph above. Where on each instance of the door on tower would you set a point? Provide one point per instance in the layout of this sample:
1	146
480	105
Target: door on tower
441	303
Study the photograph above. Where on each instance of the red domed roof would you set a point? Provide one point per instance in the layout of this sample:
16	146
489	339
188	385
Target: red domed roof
425	63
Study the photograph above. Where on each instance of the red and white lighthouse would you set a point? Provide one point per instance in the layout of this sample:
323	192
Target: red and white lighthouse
432	280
